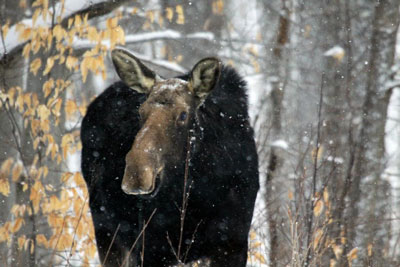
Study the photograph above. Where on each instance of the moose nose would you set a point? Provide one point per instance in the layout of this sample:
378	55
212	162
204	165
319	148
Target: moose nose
138	183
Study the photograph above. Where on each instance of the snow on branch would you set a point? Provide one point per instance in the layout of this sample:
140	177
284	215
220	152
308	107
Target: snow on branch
12	45
79	44
147	37
162	63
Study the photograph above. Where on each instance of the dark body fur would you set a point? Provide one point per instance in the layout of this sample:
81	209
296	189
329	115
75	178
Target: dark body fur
223	173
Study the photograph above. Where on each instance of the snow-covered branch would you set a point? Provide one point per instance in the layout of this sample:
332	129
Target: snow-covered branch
13	45
162	63
149	36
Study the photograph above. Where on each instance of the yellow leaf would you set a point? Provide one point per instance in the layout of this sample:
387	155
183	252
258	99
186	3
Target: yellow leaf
10	95
64	242
317	152
70	21
19	103
370	246
92	34
134	10
71	62
35	65
59	159
319	206
259	257
47	87
37	3
57	107
290	195
36	46
317	238
253	235
22	4
352	255
4	187
49	40
181	18
112	23
5	29
45	4
82	110
169	13
66	176
326	195
41	240
337	250
256	65
218	7
54	151
17	225
21	242
120	35
28	99
85	19
150	16
49	65
78	21
6	165
85	68
70	107
58	32
79	179
43	112
36	15
16	172
32	247
332	263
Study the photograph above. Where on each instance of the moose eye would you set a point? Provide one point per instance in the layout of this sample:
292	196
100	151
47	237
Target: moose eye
183	116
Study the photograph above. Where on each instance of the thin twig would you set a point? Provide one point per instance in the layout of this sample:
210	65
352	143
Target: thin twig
58	239
76	227
314	178
172	247
137	238
142	253
191	241
109	247
185	197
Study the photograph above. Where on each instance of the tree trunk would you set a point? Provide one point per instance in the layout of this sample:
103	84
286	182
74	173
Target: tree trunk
369	159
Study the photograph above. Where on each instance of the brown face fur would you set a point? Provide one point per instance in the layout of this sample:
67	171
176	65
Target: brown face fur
165	118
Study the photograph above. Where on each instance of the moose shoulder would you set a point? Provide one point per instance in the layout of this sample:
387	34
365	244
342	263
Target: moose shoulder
147	139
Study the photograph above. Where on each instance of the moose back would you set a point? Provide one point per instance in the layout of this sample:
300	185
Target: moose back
180	149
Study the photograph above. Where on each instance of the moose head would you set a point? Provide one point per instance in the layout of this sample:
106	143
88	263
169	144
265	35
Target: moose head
166	117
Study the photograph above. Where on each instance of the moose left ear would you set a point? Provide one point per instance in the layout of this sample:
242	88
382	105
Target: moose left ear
204	76
132	71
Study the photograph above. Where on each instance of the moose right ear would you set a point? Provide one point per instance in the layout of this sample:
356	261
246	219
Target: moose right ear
132	71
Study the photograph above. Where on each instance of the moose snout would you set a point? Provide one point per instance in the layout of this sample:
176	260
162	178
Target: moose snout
138	182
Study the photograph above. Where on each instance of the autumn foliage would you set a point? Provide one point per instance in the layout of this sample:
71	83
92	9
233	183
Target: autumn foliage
58	211
50	217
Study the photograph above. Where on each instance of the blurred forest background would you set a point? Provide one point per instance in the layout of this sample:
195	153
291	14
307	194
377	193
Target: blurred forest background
324	91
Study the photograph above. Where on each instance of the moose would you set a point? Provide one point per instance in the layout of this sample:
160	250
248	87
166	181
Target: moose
170	164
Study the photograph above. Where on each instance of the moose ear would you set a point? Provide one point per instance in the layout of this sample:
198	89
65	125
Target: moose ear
132	71
204	76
